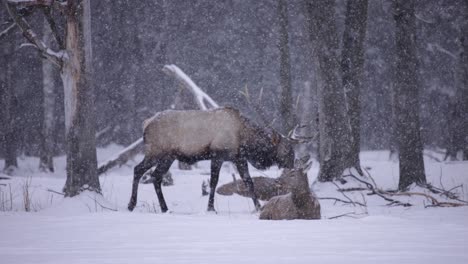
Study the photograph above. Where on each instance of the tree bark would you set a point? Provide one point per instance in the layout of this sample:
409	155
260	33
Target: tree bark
79	101
286	102
333	128
407	97
464	80
9	103
46	162
352	62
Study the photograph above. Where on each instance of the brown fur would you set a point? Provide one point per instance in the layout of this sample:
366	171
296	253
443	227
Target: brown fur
300	203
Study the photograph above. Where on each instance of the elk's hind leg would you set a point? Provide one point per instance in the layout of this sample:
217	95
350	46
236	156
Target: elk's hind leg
243	169
215	168
161	169
138	172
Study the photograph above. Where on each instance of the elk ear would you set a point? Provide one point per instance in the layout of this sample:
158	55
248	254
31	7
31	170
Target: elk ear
275	139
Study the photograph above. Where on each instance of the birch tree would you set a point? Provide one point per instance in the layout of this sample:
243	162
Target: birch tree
407	97
74	62
46	162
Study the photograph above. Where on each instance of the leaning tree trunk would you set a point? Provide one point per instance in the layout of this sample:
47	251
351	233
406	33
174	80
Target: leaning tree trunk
79	101
352	62
407	97
286	104
46	162
333	129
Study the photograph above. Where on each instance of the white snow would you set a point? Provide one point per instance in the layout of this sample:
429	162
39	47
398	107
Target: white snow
85	229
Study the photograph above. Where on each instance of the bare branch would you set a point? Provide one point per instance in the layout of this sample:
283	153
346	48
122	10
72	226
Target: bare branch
350	214
29	3
55	57
52	191
342	201
53	27
5	32
200	96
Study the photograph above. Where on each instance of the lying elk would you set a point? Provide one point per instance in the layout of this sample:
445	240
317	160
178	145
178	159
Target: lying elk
218	135
300	203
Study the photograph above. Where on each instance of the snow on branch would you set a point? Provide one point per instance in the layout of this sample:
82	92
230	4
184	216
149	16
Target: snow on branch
199	95
122	157
55	57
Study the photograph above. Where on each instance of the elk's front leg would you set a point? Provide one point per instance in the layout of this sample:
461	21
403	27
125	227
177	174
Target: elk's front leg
215	168
243	169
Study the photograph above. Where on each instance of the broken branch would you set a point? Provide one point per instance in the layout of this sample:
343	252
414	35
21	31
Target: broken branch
55	57
199	95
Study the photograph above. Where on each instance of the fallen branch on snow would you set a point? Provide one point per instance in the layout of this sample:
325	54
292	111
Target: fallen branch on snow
388	195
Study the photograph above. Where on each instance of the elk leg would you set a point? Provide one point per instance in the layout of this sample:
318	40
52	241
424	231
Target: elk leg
215	168
138	172
243	169
161	169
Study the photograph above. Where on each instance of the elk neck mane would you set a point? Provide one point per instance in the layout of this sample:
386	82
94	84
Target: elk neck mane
257	145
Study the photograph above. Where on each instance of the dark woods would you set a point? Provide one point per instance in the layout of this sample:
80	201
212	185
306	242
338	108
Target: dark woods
271	47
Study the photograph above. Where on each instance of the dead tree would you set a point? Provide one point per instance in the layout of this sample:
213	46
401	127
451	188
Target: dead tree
74	62
333	128
407	97
352	62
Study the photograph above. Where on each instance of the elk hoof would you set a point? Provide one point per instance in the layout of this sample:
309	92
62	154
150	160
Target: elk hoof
131	206
211	210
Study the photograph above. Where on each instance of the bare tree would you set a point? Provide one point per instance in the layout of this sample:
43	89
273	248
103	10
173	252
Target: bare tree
352	62
333	128
286	105
74	61
407	97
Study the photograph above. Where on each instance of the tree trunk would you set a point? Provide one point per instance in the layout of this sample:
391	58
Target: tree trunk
332	117
464	80
352	62
407	97
286	104
46	162
79	101
9	103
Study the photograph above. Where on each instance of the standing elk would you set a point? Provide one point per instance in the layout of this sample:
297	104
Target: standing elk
219	135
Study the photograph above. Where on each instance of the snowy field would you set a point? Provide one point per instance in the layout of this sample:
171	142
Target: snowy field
86	229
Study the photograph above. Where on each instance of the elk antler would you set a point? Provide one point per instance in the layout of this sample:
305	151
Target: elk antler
255	107
293	135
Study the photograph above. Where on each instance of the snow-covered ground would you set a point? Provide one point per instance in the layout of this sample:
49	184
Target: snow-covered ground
85	230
